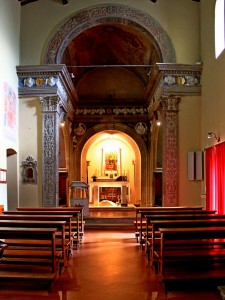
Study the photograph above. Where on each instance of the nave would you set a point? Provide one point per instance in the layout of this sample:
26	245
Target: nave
107	265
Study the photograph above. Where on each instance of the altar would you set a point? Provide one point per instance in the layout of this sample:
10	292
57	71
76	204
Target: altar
117	192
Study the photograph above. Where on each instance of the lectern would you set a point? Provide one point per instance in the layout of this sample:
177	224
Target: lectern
79	195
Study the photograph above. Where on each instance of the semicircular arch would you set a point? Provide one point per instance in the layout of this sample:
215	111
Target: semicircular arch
108	13
136	142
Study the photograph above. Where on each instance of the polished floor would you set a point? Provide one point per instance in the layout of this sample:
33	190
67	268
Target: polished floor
108	265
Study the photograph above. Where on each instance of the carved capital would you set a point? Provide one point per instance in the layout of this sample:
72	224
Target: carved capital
170	103
50	104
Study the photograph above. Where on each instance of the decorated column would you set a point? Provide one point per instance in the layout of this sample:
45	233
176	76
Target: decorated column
50	150
170	106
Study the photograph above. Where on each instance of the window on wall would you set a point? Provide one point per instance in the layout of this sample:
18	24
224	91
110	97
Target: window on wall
219	27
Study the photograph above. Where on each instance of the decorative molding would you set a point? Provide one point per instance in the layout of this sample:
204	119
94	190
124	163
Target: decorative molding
50	104
43	80
109	13
141	128
170	103
114	111
180	79
80	129
29	173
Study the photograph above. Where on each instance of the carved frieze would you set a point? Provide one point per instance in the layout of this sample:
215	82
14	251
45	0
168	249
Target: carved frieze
114	111
179	79
43	80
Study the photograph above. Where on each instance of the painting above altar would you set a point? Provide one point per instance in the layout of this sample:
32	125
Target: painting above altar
111	160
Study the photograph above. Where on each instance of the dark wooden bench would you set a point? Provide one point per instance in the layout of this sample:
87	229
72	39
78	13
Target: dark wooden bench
14	268
46	218
75	213
153	242
181	216
80	209
195	264
138	216
77	221
171	211
61	245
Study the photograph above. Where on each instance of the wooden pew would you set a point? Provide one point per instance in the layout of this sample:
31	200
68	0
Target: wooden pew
75	218
77	212
27	245
170	211
30	233
62	208
191	265
157	208
179	216
153	242
39	217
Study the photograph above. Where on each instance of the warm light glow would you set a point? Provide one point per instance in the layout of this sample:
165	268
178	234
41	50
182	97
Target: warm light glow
62	124
128	153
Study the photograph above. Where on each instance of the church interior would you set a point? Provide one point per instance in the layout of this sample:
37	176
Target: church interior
111	106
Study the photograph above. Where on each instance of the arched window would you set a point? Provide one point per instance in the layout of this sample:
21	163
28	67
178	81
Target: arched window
219	27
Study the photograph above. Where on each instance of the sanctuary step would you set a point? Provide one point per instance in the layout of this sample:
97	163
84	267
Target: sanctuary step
110	218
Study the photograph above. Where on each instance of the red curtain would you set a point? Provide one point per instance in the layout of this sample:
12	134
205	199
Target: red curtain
215	178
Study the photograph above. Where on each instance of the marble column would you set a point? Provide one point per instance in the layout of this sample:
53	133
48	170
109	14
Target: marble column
50	150
170	107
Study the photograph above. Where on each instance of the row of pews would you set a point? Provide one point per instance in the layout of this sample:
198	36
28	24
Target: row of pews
183	245
36	243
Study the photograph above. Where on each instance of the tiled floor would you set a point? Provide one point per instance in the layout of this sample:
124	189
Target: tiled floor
108	265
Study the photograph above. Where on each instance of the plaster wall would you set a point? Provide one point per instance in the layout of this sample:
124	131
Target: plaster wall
213	90
9	58
30	145
189	136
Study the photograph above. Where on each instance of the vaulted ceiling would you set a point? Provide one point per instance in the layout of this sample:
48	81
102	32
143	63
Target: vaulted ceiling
111	64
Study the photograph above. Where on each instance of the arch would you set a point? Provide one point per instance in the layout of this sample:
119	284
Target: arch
139	142
108	13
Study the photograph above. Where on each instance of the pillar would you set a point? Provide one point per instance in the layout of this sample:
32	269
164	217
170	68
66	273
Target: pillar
50	150
170	107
